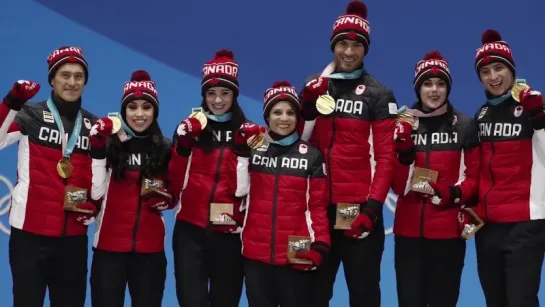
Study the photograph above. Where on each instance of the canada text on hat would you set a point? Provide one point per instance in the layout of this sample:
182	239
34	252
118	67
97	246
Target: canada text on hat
140	87
494	49
432	65
352	25
281	89
227	68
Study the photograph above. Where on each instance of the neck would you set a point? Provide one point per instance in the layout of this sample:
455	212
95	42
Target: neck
284	140
66	108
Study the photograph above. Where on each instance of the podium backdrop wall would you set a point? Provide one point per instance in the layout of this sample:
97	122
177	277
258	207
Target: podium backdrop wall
272	40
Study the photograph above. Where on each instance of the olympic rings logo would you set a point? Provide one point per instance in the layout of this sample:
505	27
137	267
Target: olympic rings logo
5	203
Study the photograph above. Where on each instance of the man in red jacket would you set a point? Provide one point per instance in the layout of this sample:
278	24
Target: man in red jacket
355	134
511	245
48	244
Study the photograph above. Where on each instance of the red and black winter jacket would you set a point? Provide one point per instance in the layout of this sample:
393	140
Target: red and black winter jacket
449	144
205	177
124	223
279	206
356	140
38	196
512	173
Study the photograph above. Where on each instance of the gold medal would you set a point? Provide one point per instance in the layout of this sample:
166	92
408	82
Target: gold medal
405	116
198	113
64	168
325	104
116	124
519	86
256	141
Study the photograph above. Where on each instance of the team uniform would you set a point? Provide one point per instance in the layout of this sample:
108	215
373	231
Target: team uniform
287	197
511	245
129	240
205	253
429	248
48	245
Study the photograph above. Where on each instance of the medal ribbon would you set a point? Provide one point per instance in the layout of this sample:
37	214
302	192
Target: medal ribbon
220	118
128	131
328	73
287	141
67	148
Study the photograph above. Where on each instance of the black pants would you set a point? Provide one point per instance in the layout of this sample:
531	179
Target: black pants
144	273
428	272
56	263
509	259
269	285
361	262
201	257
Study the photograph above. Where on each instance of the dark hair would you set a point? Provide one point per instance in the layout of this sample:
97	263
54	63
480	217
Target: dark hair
157	156
206	137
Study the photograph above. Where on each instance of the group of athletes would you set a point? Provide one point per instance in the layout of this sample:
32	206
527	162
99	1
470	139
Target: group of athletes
279	207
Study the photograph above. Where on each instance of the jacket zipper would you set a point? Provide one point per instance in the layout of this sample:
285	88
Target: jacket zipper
273	228
485	197
330	175
138	213
424	200
214	187
65	222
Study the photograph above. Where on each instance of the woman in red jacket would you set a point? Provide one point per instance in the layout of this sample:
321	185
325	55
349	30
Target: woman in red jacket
287	206
129	175
429	250
207	259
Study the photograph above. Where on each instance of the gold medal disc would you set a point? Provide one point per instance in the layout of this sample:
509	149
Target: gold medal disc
325	104
201	117
64	168
256	141
116	122
519	86
405	116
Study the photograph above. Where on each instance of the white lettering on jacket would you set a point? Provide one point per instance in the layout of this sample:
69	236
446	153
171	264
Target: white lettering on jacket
349	106
285	162
436	138
500	129
53	136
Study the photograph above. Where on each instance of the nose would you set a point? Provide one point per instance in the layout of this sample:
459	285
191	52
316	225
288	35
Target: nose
348	51
218	99
284	117
434	87
72	81
139	112
493	75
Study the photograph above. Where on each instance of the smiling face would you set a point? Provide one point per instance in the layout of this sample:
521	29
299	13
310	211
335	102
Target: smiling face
69	82
219	100
496	78
282	118
433	92
348	55
139	115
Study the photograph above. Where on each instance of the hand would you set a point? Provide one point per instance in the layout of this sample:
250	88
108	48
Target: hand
404	143
464	220
189	129
159	202
314	89
237	228
86	218
531	100
363	224
100	131
445	195
20	93
246	131
317	253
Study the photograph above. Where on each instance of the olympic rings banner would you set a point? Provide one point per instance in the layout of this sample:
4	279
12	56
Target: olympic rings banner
272	40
